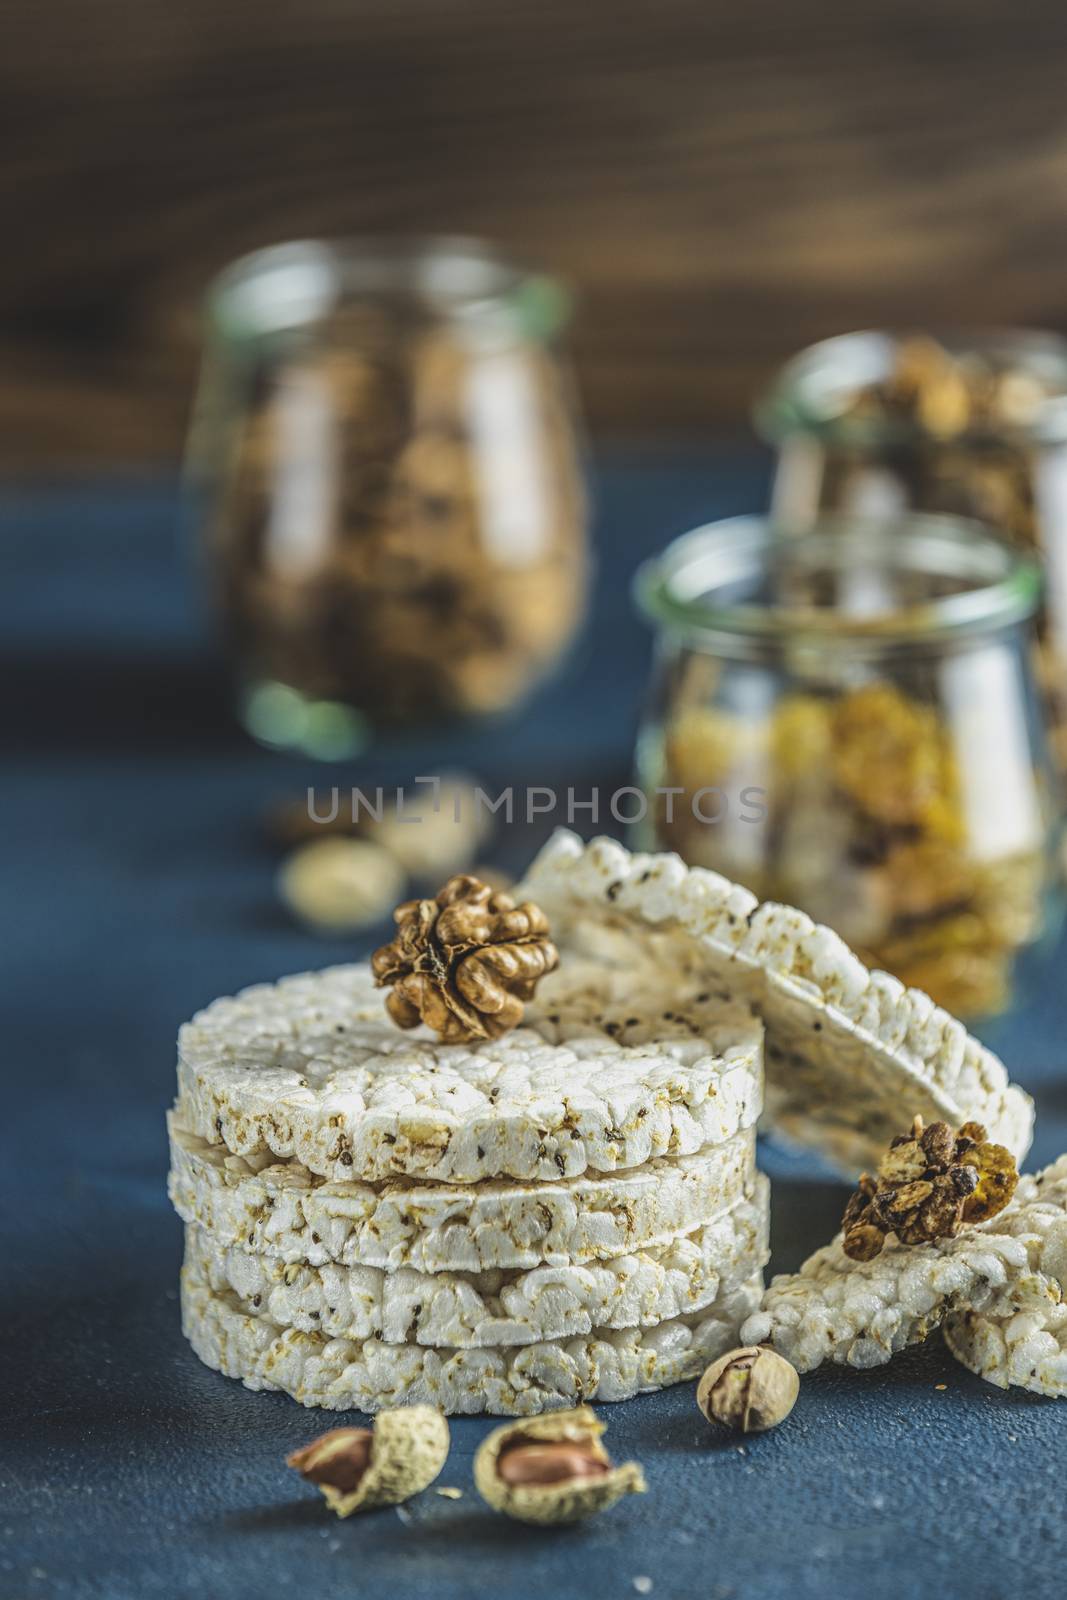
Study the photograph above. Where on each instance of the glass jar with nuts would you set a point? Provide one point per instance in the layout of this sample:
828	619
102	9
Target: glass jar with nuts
384	456
844	720
974	424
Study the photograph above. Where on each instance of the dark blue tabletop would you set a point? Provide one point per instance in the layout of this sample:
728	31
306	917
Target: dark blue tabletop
138	886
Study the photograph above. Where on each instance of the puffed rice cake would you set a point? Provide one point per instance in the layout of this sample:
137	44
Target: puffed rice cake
638	1290
1020	1337
850	1054
1019	1341
282	1209
614	1070
342	1375
860	1313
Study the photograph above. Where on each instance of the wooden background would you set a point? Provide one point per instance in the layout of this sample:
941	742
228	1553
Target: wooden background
721	182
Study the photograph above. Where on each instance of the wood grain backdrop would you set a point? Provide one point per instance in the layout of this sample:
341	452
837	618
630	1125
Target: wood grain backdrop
722	182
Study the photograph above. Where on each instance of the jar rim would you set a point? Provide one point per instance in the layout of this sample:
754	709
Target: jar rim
287	287
676	589
806	394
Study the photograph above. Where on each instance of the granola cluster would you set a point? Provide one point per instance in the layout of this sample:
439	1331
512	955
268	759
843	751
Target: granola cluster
465	961
929	1184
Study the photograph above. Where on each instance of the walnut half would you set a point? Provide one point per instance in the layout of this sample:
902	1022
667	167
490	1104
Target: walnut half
464	962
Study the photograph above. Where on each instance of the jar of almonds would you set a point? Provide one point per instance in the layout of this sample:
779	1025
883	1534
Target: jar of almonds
844	720
973	424
384	458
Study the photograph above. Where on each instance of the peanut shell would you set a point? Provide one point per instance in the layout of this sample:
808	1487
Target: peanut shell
409	1450
554	1502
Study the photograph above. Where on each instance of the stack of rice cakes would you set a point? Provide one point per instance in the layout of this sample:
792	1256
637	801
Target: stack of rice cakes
374	1218
571	1212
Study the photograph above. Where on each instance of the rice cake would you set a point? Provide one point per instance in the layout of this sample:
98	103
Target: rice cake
611	1076
1020	1338
496	1308
282	1209
1020	1341
860	1313
503	1381
851	1055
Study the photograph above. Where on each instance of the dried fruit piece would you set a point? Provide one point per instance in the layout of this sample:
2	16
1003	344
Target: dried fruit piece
751	1388
464	962
552	1469
998	1178
929	1184
888	754
360	1468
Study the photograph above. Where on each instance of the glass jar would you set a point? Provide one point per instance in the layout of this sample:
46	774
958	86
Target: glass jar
384	454
844	720
973	424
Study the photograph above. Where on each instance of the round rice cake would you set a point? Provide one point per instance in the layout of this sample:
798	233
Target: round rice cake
1019	1339
851	1055
512	1381
495	1308
614	1070
860	1313
1018	1342
282	1209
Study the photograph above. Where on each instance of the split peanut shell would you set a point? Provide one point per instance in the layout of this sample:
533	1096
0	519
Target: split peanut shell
408	1451
561	1501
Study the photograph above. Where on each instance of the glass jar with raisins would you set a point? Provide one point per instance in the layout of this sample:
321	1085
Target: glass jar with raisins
973	424
385	462
844	719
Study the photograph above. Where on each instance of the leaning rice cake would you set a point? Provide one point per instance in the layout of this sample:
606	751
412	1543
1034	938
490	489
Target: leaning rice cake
850	1054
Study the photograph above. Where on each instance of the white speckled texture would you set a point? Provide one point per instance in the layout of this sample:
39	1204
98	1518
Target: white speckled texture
282	1209
614	1070
519	1381
1019	1338
851	1055
861	1313
465	1311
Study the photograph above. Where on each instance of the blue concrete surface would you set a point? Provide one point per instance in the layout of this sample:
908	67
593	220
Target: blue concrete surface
137	887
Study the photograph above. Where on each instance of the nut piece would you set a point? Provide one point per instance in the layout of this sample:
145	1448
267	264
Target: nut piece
552	1469
752	1388
930	1183
464	962
446	836
360	1468
340	885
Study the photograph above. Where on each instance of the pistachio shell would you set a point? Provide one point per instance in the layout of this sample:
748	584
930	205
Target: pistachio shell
410	1448
553	1502
751	1388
